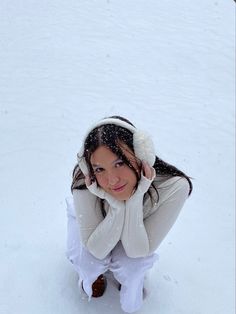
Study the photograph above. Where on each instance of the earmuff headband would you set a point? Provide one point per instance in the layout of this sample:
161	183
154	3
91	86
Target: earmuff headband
143	145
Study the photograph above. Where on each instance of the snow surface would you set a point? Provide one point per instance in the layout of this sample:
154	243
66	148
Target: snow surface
166	65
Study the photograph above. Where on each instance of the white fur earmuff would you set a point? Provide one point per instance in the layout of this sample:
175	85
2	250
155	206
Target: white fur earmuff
144	147
143	144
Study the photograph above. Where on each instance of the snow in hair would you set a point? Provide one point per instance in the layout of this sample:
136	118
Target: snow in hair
143	144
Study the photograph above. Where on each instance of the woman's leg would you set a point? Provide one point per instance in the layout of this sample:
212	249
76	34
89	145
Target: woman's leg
73	236
86	265
130	273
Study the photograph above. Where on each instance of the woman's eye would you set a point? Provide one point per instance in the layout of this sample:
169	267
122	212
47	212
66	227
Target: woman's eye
119	163
98	170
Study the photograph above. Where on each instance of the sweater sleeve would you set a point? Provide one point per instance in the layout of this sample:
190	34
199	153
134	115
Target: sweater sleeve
173	194
141	236
134	236
98	234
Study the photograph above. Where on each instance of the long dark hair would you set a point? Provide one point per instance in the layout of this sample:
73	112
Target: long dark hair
111	136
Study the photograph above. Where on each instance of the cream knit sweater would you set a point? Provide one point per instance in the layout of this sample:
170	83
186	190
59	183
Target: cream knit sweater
145	231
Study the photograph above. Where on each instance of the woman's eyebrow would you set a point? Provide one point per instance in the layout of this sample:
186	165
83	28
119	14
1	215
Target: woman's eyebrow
118	159
113	162
95	165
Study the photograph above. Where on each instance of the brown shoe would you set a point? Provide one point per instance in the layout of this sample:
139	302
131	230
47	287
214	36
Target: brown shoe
99	286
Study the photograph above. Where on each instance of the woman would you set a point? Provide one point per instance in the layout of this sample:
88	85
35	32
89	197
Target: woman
125	200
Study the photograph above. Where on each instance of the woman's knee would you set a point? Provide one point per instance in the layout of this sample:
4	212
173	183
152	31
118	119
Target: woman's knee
126	267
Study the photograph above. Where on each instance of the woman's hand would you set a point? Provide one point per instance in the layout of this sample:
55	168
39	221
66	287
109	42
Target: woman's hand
96	190
148	171
148	174
88	181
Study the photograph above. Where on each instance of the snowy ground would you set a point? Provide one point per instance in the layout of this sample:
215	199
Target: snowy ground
166	65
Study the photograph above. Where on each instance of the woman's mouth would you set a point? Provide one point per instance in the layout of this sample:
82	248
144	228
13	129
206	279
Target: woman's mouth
119	188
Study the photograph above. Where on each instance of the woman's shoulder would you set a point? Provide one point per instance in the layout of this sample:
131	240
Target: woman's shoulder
82	196
167	181
168	186
165	187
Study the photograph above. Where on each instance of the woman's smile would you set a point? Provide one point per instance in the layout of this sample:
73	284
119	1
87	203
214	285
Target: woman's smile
119	189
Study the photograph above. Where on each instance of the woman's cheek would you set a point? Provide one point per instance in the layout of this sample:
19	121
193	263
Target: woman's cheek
101	181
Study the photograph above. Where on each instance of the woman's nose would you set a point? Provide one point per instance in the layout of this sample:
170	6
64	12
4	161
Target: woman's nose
112	179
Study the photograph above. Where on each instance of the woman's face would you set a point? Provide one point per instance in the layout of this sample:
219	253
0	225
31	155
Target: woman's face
112	174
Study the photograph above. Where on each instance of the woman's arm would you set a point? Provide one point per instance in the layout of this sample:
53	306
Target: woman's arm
173	194
98	234
134	235
142	237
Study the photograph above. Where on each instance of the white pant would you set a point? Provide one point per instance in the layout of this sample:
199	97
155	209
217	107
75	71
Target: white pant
129	272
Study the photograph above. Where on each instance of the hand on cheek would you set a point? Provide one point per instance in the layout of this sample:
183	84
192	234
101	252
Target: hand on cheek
148	171
88	180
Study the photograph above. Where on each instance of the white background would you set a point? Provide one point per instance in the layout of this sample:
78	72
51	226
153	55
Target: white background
169	67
